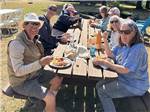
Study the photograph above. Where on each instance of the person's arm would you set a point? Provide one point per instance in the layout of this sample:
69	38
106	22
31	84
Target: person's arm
68	20
103	24
16	51
115	67
106	45
45	34
118	68
136	60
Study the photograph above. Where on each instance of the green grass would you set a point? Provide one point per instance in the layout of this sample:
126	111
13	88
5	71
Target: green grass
10	104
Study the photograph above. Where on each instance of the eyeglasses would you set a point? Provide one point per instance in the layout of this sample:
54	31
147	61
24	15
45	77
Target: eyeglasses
114	21
126	32
35	23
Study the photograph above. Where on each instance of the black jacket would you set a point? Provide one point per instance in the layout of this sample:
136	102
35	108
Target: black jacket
48	42
64	22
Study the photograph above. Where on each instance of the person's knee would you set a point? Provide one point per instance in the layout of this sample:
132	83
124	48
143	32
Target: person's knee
49	98
99	86
100	90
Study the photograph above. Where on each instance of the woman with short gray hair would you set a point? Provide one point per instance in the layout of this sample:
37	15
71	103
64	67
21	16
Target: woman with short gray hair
113	31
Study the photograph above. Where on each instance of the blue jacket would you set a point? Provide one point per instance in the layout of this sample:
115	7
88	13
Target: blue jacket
48	42
146	24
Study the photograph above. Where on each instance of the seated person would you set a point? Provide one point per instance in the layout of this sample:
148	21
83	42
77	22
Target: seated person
131	64
26	62
65	21
146	24
114	11
105	19
49	42
113	31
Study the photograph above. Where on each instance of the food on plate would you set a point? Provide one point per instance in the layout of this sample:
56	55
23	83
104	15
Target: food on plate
71	55
101	57
58	61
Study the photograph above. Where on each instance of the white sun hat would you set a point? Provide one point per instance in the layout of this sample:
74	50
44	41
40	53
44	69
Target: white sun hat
32	17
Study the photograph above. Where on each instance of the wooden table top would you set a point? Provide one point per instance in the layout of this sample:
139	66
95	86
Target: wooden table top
81	68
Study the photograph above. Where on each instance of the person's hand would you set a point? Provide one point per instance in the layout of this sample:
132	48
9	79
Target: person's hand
98	61
65	37
105	35
46	60
56	83
93	24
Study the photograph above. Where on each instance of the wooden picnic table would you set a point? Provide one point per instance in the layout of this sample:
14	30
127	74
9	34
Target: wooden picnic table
82	71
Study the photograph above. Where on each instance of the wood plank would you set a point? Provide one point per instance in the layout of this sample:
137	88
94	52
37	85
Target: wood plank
79	99
65	72
94	72
77	34
109	74
83	38
59	50
80	68
90	99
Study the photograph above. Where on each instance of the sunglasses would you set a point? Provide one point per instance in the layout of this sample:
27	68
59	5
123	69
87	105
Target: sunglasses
126	32
35	23
114	21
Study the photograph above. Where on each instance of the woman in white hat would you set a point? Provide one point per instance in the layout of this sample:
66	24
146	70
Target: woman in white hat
26	62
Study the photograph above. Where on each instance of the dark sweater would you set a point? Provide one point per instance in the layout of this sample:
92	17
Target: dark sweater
64	22
48	42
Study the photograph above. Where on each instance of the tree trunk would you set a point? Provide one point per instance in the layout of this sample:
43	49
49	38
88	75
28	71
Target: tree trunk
139	5
148	5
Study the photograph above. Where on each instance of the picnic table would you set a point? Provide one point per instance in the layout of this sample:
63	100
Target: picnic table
78	94
9	19
80	79
82	71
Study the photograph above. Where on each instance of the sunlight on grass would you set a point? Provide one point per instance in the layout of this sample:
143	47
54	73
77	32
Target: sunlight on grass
127	6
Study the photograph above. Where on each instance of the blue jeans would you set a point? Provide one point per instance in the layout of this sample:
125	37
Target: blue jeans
109	90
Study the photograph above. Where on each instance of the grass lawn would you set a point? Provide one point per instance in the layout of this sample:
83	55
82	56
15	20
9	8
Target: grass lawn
10	104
